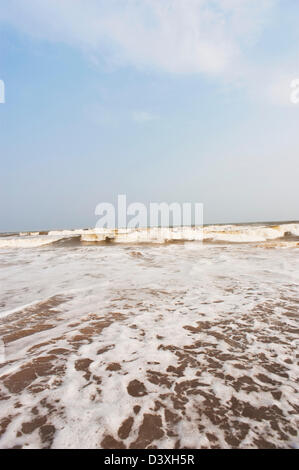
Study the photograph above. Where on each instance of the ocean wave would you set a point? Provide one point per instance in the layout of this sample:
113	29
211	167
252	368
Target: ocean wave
29	242
249	233
69	233
144	235
216	233
210	234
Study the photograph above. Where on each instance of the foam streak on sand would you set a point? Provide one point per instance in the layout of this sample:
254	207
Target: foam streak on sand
128	346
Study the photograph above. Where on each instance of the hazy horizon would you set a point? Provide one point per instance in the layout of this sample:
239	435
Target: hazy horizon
54	228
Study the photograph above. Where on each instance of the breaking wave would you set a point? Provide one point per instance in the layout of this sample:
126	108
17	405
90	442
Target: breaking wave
282	235
249	233
28	242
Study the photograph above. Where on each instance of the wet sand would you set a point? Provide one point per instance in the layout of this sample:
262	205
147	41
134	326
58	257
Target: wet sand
195	348
171	396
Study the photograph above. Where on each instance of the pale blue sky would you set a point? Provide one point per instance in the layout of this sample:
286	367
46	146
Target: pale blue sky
163	101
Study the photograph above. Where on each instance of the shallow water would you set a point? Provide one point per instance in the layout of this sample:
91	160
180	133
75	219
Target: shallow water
187	345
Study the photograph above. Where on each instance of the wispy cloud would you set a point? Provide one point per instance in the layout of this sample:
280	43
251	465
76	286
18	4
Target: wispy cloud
214	38
177	36
144	116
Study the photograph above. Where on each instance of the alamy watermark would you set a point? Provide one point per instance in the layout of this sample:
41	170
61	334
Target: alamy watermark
175	216
294	96
2	92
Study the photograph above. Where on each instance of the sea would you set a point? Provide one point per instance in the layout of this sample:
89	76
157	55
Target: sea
150	338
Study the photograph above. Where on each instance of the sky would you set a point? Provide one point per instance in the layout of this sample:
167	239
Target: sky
173	100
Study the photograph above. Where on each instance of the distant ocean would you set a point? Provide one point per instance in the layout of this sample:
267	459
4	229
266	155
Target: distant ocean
150	338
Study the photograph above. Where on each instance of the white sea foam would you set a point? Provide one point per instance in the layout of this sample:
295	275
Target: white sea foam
69	233
29	242
143	235
212	233
202	326
249	233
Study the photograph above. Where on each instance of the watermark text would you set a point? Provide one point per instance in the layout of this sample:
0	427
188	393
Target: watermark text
294	96
138	215
2	92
